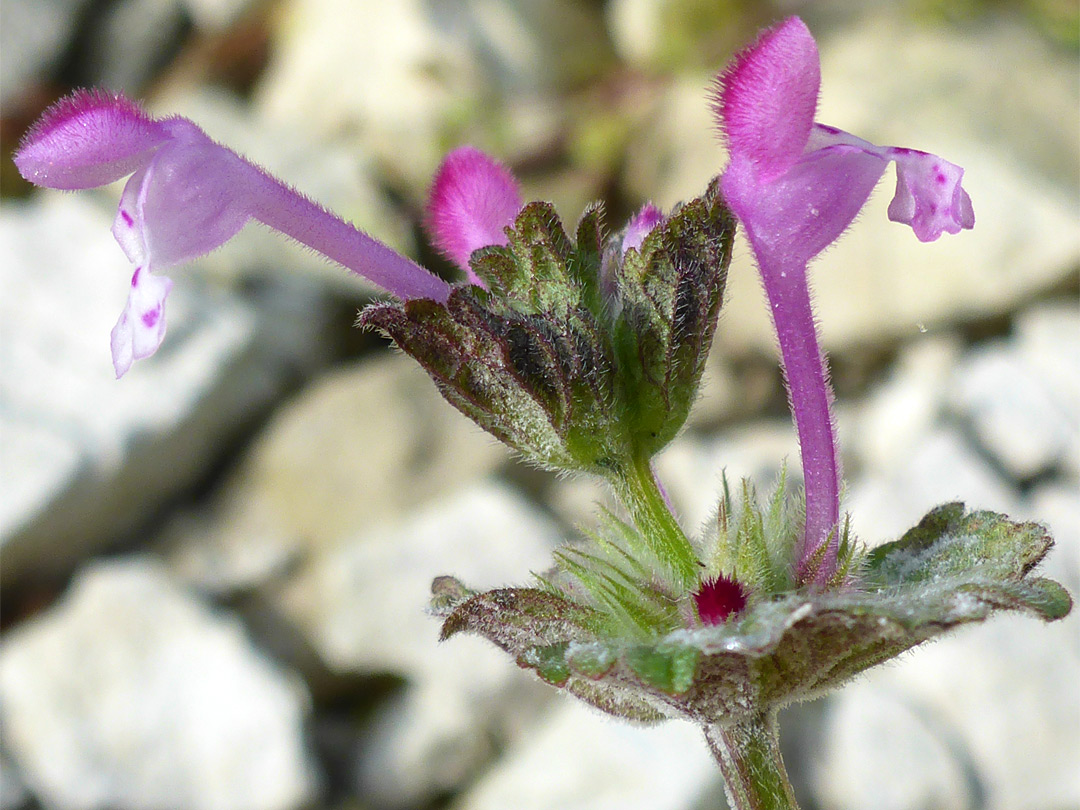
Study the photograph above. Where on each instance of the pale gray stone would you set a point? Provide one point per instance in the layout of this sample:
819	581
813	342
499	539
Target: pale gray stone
939	467
877	750
441	68
87	457
579	759
130	693
382	69
13	794
1055	504
362	605
359	448
1012	411
1048	336
988	716
992	713
215	15
33	35
1021	395
126	42
692	470
900	411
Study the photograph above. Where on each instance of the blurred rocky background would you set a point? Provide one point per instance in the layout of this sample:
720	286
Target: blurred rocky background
214	572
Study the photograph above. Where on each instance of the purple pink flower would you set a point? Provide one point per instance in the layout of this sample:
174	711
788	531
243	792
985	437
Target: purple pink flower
796	185
187	196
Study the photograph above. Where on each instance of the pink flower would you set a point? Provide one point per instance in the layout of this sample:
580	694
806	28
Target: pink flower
473	199
796	185
188	195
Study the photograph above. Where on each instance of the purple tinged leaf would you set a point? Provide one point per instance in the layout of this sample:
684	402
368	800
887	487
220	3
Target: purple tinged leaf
86	140
473	199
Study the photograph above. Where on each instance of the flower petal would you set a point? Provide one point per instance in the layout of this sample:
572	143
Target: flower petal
801	213
193	197
127	228
141	326
929	196
767	97
88	139
473	199
640	225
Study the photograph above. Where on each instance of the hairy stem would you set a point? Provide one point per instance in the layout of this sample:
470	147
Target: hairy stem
749	755
810	397
639	490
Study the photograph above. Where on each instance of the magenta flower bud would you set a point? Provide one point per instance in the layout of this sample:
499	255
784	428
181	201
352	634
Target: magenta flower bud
640	225
796	186
473	199
188	195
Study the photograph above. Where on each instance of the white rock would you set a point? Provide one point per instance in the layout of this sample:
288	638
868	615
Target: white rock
578	759
1049	339
33	35
1057	506
146	32
988	715
939	467
86	458
381	68
13	793
216	14
877	750
362	605
362	600
900	411
403	79
999	703
357	449
692	471
132	694
1012	411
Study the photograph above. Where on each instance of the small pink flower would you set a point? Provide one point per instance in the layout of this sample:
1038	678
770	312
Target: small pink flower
186	197
796	185
640	226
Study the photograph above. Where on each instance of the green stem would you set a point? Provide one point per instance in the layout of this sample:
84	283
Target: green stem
749	755
640	492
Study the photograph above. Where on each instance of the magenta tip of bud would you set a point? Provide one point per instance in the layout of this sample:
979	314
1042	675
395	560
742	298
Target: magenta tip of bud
473	198
718	599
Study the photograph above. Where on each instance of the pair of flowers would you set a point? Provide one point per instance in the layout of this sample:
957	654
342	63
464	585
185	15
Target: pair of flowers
795	185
